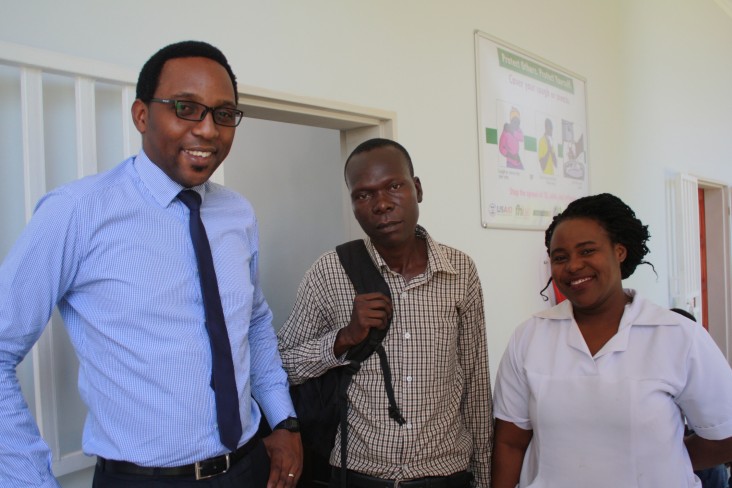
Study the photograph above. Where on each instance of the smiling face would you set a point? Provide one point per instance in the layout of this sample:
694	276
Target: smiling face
586	265
187	151
384	196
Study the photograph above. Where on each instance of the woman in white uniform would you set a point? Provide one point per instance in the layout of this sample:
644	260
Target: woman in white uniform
593	392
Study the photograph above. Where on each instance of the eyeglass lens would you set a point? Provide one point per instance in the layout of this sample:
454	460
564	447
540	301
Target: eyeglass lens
195	111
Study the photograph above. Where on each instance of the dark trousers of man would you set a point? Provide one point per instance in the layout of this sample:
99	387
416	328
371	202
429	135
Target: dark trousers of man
359	480
251	471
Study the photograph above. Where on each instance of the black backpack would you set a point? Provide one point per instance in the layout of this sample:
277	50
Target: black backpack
322	402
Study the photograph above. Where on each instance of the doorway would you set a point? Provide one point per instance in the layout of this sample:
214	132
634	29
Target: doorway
291	175
287	160
714	232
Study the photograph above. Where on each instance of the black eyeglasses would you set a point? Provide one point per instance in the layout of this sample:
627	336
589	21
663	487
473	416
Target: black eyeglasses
229	117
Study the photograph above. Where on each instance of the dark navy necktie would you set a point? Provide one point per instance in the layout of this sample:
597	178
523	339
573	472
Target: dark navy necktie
223	381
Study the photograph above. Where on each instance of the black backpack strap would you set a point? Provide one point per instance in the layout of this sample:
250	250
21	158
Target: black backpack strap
362	271
366	278
394	411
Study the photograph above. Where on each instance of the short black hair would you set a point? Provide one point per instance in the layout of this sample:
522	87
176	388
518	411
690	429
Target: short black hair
618	220
376	143
149	77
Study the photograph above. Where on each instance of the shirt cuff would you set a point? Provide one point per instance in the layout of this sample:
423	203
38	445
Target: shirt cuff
715	433
277	407
326	351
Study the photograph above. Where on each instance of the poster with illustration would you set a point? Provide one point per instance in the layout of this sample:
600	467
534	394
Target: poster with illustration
532	133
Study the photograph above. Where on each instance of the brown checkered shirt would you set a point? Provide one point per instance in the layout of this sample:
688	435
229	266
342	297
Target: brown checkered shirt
439	361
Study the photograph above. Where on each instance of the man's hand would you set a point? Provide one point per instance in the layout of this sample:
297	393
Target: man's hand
370	310
285	454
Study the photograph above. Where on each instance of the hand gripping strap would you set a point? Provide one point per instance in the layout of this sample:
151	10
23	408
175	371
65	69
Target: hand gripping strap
366	278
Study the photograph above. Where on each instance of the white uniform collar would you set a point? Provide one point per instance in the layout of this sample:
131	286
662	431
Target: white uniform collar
639	312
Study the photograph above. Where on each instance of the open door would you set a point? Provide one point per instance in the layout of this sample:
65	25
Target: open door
700	272
715	257
703	259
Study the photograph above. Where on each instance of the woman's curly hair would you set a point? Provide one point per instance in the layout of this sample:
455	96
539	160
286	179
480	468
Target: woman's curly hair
618	220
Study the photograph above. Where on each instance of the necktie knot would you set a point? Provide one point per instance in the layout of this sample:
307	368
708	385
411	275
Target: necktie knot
190	199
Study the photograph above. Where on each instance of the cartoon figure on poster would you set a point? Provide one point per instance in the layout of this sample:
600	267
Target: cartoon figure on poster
547	156
574	166
511	139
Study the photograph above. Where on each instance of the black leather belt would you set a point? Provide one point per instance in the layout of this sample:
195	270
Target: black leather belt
200	470
358	480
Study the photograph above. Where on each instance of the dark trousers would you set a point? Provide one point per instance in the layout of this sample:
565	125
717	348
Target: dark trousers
250	472
359	480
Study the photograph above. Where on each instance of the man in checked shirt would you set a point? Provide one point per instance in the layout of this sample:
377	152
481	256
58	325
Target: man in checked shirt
436	344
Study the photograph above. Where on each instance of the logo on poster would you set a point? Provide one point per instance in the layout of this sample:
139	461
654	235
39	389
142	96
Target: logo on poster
499	210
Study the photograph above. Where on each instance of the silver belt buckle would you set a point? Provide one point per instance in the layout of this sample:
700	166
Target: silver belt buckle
198	469
399	480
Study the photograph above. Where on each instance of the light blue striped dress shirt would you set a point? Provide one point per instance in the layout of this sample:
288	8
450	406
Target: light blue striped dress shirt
114	252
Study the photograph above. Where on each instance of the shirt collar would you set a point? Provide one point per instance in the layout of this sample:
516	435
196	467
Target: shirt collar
161	187
437	261
563	310
639	312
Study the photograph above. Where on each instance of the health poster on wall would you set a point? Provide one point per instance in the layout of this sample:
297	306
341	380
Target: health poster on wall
532	132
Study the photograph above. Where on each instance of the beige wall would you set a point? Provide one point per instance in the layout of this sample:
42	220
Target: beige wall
658	76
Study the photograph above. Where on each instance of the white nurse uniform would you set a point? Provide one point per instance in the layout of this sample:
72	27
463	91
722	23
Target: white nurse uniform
615	419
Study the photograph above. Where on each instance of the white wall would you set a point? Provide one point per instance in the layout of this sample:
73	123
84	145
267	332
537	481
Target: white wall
292	174
413	57
658	76
677	109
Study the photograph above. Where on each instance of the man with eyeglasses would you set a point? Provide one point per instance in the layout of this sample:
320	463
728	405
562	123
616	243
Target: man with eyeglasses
155	272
